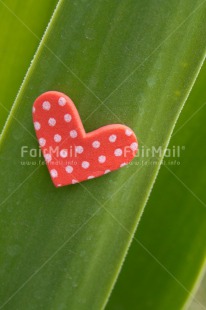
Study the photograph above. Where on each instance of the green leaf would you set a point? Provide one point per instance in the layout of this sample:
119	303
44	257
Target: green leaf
20	36
168	257
127	62
200	298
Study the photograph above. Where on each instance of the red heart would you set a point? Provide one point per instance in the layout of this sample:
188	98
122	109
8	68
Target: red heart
71	154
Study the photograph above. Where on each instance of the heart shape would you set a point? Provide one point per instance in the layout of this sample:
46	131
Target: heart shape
71	154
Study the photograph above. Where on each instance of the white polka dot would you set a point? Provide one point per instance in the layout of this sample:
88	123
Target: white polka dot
69	169
101	159
54	173
128	132
107	171
62	101
33	110
46	105
73	134
74	181
42	142
63	153
112	138
79	149
47	157
96	144
123	164
118	152
134	146
59	185
90	177
85	164
37	125
52	121
67	118
57	138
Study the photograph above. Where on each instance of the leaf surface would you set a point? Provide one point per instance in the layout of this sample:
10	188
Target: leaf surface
128	62
22	26
169	254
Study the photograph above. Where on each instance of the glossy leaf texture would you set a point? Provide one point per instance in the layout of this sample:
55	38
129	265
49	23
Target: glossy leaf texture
200	298
130	62
22	25
169	254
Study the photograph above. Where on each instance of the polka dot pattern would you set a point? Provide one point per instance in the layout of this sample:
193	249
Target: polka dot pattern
112	138
73	134
42	142
48	158
71	154
102	159
74	181
54	173
37	125
123	164
128	132
46	105
69	169
57	138
67	118
118	152
134	146
62	101
63	153
79	149
96	144
85	164
52	121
